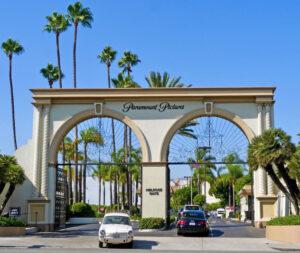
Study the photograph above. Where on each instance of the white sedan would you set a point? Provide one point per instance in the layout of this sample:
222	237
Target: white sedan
116	229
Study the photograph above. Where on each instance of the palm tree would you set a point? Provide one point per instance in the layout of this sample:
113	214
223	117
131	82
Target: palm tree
100	173
128	60
52	74
135	169
156	80
203	164
107	56
234	172
78	15
124	82
12	174
57	23
272	151
11	47
89	136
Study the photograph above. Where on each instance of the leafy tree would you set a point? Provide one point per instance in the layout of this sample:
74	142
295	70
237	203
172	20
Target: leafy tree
294	165
156	80
57	23
11	174
272	151
199	200
220	189
128	60
11	47
51	73
182	196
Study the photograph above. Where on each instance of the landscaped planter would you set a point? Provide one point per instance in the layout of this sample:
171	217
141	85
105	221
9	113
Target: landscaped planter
289	233
12	231
83	220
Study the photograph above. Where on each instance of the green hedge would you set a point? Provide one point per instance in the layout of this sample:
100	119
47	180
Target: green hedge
10	222
152	223
285	221
81	210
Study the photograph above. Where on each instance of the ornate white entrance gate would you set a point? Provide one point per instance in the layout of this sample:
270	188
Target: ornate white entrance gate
154	115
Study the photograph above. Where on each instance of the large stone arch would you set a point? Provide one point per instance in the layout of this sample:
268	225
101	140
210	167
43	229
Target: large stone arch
88	114
200	113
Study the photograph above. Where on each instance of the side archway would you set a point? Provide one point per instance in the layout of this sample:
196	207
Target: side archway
88	114
240	123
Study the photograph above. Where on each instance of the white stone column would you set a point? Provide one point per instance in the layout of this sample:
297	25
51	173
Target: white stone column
261	172
37	167
45	151
268	124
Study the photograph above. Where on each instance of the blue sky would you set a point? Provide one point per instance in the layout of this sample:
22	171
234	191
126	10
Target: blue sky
207	43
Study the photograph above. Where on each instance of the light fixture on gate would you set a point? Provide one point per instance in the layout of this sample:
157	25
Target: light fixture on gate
98	108
208	106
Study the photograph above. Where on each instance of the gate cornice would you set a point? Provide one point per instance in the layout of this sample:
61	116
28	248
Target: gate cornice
215	94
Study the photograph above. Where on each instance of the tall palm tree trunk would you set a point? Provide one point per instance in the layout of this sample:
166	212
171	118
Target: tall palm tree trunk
136	190
126	163
123	195
103	181
129	172
74	55
58	59
84	173
9	193
110	192
70	184
80	183
233	198
99	197
12	102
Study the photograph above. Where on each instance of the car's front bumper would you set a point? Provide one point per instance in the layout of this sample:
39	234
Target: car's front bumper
116	239
193	229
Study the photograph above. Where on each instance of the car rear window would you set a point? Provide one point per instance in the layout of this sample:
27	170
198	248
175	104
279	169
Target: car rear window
192	207
116	220
198	215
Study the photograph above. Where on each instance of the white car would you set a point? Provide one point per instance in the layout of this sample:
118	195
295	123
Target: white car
220	212
116	229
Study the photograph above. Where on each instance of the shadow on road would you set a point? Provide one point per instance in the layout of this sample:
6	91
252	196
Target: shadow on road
137	244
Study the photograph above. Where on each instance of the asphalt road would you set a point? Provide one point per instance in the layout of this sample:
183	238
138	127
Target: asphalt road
218	228
226	236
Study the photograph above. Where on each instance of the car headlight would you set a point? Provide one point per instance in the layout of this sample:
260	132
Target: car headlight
102	232
130	233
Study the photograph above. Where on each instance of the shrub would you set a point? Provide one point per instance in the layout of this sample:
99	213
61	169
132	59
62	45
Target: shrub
10	222
81	210
151	223
285	221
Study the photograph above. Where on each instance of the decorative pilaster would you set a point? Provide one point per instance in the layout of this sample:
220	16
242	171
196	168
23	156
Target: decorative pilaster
268	124
45	148
37	168
261	172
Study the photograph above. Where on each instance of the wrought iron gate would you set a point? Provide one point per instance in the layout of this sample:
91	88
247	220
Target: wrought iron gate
60	197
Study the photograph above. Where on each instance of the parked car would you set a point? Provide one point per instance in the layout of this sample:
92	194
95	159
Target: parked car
191	207
116	229
220	212
193	222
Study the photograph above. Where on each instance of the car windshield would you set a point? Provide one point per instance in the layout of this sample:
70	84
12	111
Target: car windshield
198	215
116	220
192	208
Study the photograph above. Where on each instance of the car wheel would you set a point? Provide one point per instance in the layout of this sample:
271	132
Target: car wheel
179	233
100	244
130	244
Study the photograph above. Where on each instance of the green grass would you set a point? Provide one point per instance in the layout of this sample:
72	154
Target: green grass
285	221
